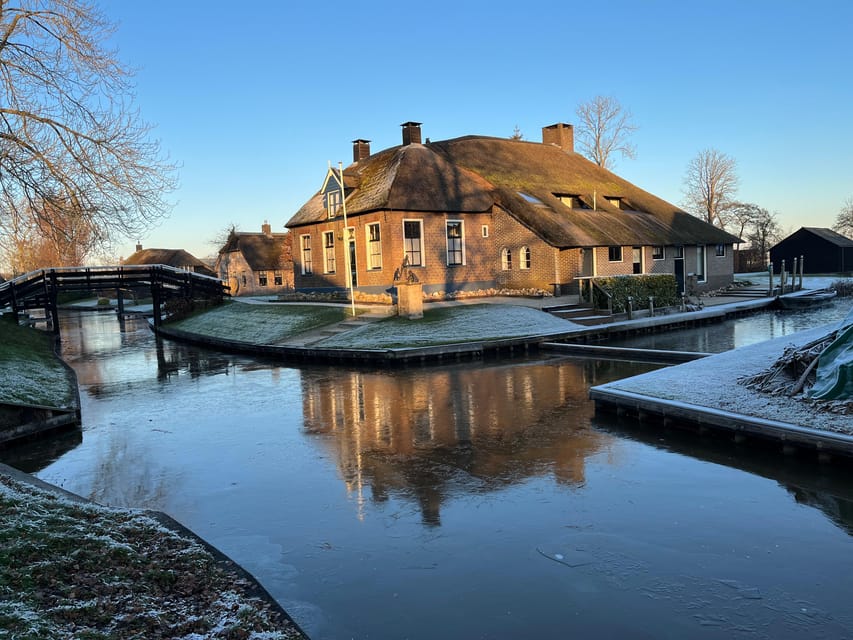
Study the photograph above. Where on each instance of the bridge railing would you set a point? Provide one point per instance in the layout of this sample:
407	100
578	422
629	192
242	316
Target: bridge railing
35	286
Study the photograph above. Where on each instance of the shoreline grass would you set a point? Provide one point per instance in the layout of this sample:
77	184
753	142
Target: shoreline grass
30	371
259	323
77	570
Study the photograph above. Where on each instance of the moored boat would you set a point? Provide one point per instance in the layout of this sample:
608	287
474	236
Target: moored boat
805	299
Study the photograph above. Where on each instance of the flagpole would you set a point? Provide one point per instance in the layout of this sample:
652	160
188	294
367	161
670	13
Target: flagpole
347	262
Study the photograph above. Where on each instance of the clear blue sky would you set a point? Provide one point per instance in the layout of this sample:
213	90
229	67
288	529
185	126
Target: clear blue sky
254	99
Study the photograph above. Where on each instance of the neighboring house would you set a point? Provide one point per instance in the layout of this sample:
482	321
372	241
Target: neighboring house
256	263
822	250
478	212
177	258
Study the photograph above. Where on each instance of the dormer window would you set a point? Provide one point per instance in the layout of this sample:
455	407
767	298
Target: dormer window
615	201
333	203
571	201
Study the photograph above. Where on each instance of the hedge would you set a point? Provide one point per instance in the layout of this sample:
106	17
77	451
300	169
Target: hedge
663	287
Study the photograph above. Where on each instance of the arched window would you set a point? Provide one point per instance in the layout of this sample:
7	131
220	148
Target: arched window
524	257
506	259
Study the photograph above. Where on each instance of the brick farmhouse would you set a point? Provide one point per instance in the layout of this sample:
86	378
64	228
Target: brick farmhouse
479	212
254	263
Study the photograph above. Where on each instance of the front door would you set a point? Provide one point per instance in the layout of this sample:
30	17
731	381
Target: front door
679	272
353	268
638	260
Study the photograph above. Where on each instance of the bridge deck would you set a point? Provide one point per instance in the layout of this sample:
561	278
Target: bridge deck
39	289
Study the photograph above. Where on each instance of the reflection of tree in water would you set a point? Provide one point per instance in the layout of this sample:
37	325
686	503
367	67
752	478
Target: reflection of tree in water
431	433
827	487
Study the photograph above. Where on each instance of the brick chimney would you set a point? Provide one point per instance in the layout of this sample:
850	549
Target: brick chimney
411	133
561	135
360	150
266	229
138	245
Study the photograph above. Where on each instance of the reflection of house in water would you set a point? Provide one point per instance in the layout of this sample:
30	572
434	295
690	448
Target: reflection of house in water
425	432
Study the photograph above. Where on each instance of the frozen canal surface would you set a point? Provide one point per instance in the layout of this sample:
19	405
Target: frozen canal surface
478	500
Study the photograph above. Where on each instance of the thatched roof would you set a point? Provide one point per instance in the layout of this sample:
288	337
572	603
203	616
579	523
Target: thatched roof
473	173
263	252
177	258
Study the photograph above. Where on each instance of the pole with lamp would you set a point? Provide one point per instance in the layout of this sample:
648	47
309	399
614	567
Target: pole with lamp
339	178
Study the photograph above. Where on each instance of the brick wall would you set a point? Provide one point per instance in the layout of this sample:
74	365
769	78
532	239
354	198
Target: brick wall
232	268
434	274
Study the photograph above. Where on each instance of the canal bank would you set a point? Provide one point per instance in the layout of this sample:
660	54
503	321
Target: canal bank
103	572
710	394
38	390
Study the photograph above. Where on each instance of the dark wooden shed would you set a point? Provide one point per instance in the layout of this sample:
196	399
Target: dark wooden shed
823	251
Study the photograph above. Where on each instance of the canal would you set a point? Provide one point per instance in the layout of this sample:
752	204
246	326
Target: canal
476	500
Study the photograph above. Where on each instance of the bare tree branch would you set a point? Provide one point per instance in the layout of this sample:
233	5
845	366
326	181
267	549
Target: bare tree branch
72	148
709	185
844	219
603	129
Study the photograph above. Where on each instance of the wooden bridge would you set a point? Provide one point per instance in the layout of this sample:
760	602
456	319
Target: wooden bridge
40	289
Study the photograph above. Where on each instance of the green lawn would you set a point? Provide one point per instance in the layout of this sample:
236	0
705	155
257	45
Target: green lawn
260	323
449	325
30	372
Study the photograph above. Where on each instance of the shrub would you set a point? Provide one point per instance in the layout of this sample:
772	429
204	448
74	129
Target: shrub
662	287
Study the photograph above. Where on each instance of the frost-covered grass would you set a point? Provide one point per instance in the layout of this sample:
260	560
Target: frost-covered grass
260	323
30	372
75	570
448	325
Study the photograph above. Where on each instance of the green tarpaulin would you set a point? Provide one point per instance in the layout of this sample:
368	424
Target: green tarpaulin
834	373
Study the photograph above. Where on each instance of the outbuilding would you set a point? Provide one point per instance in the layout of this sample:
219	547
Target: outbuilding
822	251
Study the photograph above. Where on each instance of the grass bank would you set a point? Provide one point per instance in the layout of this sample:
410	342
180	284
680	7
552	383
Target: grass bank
260	323
450	325
30	372
81	571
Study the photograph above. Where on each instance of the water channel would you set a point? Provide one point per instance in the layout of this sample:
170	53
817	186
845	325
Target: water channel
476	500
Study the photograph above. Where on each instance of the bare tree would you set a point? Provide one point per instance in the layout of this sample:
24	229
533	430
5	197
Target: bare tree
709	185
766	231
603	129
72	147
844	219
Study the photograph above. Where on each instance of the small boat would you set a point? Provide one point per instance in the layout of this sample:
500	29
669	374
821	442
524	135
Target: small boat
806	299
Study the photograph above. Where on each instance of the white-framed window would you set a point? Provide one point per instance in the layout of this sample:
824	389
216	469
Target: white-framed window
614	254
658	252
679	252
374	246
413	233
333	203
455	243
700	263
485	230
524	258
329	252
305	245
263	280
720	251
278	279
506	259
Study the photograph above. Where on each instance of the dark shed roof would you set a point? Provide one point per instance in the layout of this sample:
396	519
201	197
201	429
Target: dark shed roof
473	173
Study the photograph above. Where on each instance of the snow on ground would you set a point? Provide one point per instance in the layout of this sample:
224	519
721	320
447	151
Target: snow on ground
713	382
464	323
